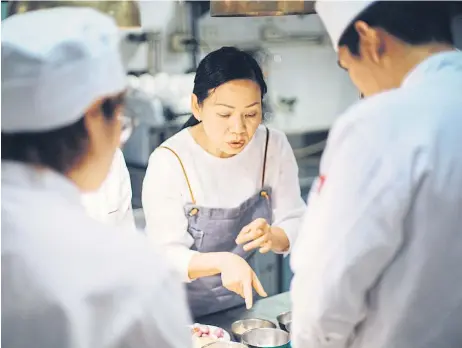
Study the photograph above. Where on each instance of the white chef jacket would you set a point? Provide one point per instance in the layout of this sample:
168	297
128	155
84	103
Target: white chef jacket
112	203
379	260
69	281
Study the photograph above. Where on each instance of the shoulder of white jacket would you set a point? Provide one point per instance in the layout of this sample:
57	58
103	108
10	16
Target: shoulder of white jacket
178	140
163	164
274	132
118	166
118	161
276	136
178	143
119	155
371	111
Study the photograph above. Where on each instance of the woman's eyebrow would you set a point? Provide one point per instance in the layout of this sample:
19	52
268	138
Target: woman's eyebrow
233	107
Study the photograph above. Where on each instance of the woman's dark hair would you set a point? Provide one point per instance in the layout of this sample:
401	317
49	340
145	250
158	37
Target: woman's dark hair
414	22
60	149
221	66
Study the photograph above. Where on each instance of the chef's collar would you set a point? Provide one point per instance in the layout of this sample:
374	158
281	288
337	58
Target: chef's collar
438	63
32	178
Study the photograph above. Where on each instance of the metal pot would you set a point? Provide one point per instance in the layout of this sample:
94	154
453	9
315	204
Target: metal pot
267	338
284	319
241	326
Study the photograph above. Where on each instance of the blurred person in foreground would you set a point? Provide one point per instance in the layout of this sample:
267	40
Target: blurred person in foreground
68	280
378	261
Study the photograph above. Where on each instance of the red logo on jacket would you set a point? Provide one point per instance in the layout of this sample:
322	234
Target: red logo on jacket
322	180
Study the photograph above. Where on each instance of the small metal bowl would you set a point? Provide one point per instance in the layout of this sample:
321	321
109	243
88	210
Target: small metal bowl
225	344
267	338
283	319
241	326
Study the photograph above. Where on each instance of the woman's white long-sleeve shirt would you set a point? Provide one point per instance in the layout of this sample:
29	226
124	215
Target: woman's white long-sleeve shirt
217	182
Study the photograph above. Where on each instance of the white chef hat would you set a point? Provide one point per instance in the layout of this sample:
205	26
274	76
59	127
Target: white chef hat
55	64
338	15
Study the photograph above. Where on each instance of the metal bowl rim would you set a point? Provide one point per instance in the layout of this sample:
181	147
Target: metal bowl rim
237	322
227	342
267	328
281	315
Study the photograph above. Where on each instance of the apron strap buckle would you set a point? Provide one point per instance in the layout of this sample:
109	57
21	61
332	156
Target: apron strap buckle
264	194
193	211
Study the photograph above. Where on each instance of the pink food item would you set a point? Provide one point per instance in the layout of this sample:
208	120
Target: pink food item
198	330
219	333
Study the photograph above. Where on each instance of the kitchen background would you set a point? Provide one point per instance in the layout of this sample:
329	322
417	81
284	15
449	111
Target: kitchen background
307	90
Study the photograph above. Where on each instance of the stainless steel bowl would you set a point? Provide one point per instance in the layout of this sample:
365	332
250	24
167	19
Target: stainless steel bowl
225	344
283	319
241	326
267	338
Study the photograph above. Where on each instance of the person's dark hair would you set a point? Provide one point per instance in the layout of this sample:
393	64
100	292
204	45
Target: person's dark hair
221	66
414	22
60	149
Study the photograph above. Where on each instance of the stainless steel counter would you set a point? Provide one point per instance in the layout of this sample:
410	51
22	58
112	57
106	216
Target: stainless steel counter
267	308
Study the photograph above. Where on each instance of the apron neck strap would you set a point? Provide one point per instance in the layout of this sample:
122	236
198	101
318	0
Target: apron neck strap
264	158
193	200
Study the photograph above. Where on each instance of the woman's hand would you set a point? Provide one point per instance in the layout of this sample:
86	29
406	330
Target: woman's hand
261	235
237	276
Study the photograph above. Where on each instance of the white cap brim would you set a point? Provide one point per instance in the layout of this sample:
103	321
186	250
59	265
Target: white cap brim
55	64
338	15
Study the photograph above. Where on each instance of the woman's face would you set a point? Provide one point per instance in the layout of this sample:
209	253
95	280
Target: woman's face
230	116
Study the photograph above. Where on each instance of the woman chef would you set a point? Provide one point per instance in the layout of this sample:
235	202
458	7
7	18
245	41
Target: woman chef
224	186
68	280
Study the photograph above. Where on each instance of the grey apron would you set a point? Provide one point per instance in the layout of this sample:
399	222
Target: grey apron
215	230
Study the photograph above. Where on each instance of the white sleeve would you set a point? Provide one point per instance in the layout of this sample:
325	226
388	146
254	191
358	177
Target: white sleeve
155	313
288	205
164	320
162	197
351	232
125	194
